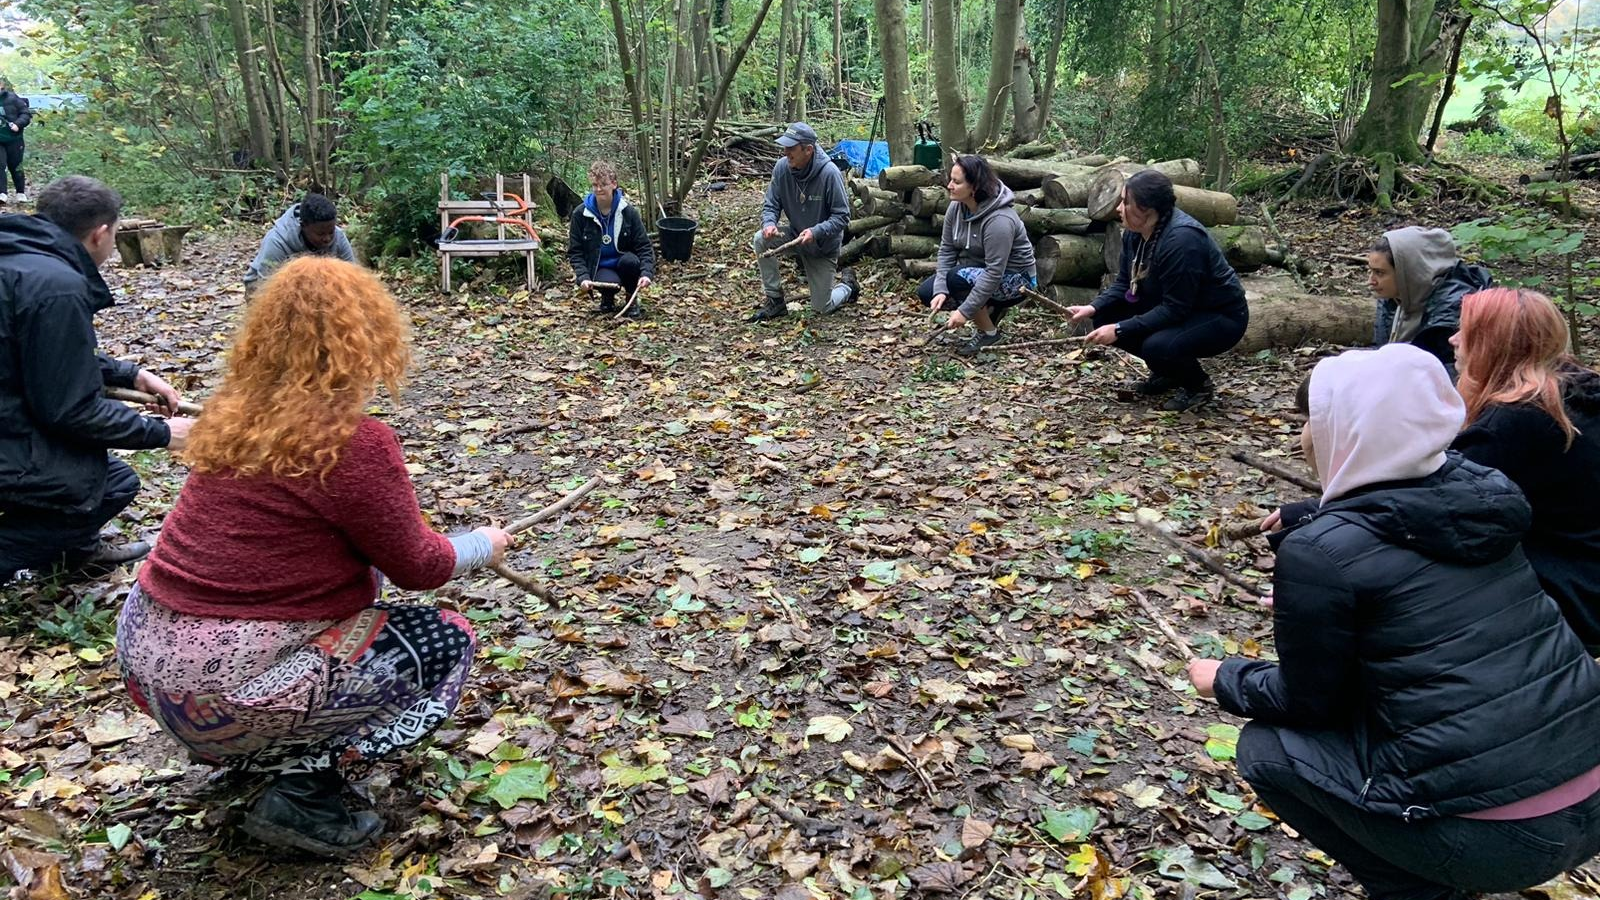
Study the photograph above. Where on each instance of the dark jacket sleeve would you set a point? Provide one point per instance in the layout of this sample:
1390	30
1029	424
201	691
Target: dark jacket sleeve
641	247
1182	263
63	379
1118	289
115	372
1513	439
1292	514
1314	626
580	266
24	116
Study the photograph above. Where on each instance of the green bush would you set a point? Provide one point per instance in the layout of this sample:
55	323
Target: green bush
1505	143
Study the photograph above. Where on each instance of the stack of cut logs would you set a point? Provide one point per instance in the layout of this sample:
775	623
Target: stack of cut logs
1070	209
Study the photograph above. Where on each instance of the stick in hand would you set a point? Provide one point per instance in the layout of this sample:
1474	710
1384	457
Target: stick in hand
129	395
776	250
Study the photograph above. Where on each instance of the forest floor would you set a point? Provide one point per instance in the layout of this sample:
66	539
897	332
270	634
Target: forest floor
850	616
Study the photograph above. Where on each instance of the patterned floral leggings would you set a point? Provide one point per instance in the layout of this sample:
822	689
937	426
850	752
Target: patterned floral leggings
289	697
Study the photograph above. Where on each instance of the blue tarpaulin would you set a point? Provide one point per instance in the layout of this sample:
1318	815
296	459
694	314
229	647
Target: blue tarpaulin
855	151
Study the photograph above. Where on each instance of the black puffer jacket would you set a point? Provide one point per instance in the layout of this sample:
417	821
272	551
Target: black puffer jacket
585	233
55	425
1423	671
1188	274
15	110
1562	485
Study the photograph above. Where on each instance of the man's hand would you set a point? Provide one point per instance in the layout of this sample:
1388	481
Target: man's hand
956	320
1105	334
1079	313
586	286
151	383
644	282
499	539
769	231
807	237
937	302
180	433
1203	675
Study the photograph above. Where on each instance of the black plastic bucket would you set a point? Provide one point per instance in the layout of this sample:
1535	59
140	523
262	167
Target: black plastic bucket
677	237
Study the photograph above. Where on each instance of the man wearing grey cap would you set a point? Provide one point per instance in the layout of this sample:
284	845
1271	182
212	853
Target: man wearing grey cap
808	189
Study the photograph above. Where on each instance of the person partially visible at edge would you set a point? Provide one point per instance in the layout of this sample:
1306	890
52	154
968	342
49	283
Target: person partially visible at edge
1419	280
14	117
1431	724
1534	414
608	243
985	257
1175	298
58	485
308	227
257	635
808	190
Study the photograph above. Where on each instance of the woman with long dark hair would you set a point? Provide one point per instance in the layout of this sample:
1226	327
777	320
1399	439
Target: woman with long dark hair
985	257
1175	298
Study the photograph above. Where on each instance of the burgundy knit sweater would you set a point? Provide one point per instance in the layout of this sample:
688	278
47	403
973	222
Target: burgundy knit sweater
297	549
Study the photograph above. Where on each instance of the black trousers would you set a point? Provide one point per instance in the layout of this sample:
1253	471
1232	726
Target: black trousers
1176	352
38	539
1428	859
959	290
626	274
14	166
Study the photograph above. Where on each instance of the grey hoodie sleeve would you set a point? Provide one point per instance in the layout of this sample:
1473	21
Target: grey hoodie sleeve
770	207
273	253
838	205
999	232
341	246
948	253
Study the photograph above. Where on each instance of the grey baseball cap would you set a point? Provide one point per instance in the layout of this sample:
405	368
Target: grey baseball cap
798	133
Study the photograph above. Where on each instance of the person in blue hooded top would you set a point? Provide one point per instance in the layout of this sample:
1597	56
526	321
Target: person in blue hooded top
607	243
310	226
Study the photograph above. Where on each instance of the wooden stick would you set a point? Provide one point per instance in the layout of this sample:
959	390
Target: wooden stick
1203	558
1030	345
1155	615
776	250
1277	471
554	509
1243	531
604	286
1046	301
129	395
525	582
629	305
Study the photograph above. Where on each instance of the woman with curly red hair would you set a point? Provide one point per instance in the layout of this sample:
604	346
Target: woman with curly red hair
1534	414
255	634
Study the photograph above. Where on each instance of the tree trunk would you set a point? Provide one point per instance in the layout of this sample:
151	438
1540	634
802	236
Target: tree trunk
1105	190
1283	317
838	49
244	47
1408	50
919	226
1055	221
1052	57
1159	44
891	16
780	105
1067	191
925	201
709	128
1245	246
1070	258
1449	82
1023	174
280	87
799	89
1024	108
904	178
1217	162
946	78
1002	55
863	224
311	23
630	80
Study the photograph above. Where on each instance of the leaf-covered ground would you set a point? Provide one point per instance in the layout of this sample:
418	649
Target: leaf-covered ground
848	617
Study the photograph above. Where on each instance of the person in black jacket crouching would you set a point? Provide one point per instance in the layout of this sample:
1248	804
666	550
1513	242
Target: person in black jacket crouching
1175	298
608	244
57	485
1432	724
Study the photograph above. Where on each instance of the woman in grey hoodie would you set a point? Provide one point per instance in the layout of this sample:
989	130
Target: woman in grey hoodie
985	257
1419	281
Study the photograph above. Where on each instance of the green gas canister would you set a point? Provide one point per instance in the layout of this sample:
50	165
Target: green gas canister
926	151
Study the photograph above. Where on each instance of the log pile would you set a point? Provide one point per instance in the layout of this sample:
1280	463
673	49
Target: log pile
1069	206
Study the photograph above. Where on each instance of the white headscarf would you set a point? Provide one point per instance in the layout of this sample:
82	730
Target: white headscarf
1381	415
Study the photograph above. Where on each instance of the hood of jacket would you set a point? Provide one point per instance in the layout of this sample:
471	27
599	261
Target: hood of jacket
41	237
1381	415
287	232
619	202
969	222
1464	513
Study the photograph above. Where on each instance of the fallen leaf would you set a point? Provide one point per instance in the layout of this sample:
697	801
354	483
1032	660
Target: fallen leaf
832	729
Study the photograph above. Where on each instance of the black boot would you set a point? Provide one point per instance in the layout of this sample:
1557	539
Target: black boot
305	811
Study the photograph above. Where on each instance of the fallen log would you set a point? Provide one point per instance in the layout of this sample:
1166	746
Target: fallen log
866	224
918	268
1185	172
925	201
1113	248
1031	197
1021	174
916	226
860	245
1069	258
1041	221
1035	150
1073	295
905	178
882	203
1245	246
1067	191
903	245
1210	207
1283	317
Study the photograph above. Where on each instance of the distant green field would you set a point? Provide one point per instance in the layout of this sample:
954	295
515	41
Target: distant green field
1467	93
